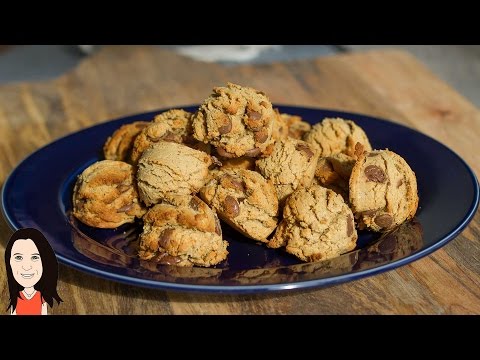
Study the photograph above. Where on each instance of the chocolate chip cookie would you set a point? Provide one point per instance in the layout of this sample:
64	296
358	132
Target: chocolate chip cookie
105	195
167	168
383	190
244	200
334	136
291	165
182	231
316	225
173	125
237	120
120	144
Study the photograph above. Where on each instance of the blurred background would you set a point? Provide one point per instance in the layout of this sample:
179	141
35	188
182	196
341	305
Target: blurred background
458	65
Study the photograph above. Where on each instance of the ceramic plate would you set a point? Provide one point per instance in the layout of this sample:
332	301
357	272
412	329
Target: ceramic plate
39	190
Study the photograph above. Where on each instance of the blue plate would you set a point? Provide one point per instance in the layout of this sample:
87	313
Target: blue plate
38	194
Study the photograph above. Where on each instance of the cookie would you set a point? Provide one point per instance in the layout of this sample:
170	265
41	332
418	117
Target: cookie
333	172
244	200
291	165
316	225
237	120
119	145
334	136
297	128
383	190
105	195
167	168
182	231
173	125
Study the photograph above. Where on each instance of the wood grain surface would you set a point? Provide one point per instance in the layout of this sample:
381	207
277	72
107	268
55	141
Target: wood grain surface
122	80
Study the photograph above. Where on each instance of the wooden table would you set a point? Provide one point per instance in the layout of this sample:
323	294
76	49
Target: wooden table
123	80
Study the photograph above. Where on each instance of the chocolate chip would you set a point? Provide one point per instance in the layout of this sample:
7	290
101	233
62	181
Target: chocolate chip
374	173
236	183
226	127
399	183
384	220
125	208
261	136
350	225
254	115
305	149
254	120
387	244
253	152
222	152
165	237
373	154
231	207
194	203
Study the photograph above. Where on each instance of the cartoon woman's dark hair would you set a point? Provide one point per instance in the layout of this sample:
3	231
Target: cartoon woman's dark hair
47	285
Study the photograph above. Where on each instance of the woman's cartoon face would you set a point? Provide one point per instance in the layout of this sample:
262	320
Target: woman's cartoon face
26	262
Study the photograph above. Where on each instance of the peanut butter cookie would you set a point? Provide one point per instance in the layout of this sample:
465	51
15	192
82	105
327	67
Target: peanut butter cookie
383	190
244	200
173	125
237	120
105	195
334	136
167	168
291	165
183	231
316	225
119	145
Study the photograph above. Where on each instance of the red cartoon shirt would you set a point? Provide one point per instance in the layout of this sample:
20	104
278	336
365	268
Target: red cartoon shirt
31	306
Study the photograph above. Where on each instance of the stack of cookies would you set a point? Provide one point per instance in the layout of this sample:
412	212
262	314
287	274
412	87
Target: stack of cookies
270	176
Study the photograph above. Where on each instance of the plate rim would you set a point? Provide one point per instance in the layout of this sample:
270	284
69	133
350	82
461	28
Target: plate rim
256	288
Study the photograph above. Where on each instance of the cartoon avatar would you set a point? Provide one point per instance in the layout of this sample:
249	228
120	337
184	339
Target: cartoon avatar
32	273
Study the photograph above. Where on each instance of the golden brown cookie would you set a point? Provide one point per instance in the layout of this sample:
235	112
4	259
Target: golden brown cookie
119	145
244	200
296	126
333	172
105	195
316	225
173	125
383	190
167	168
183	231
291	165
237	120
334	136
